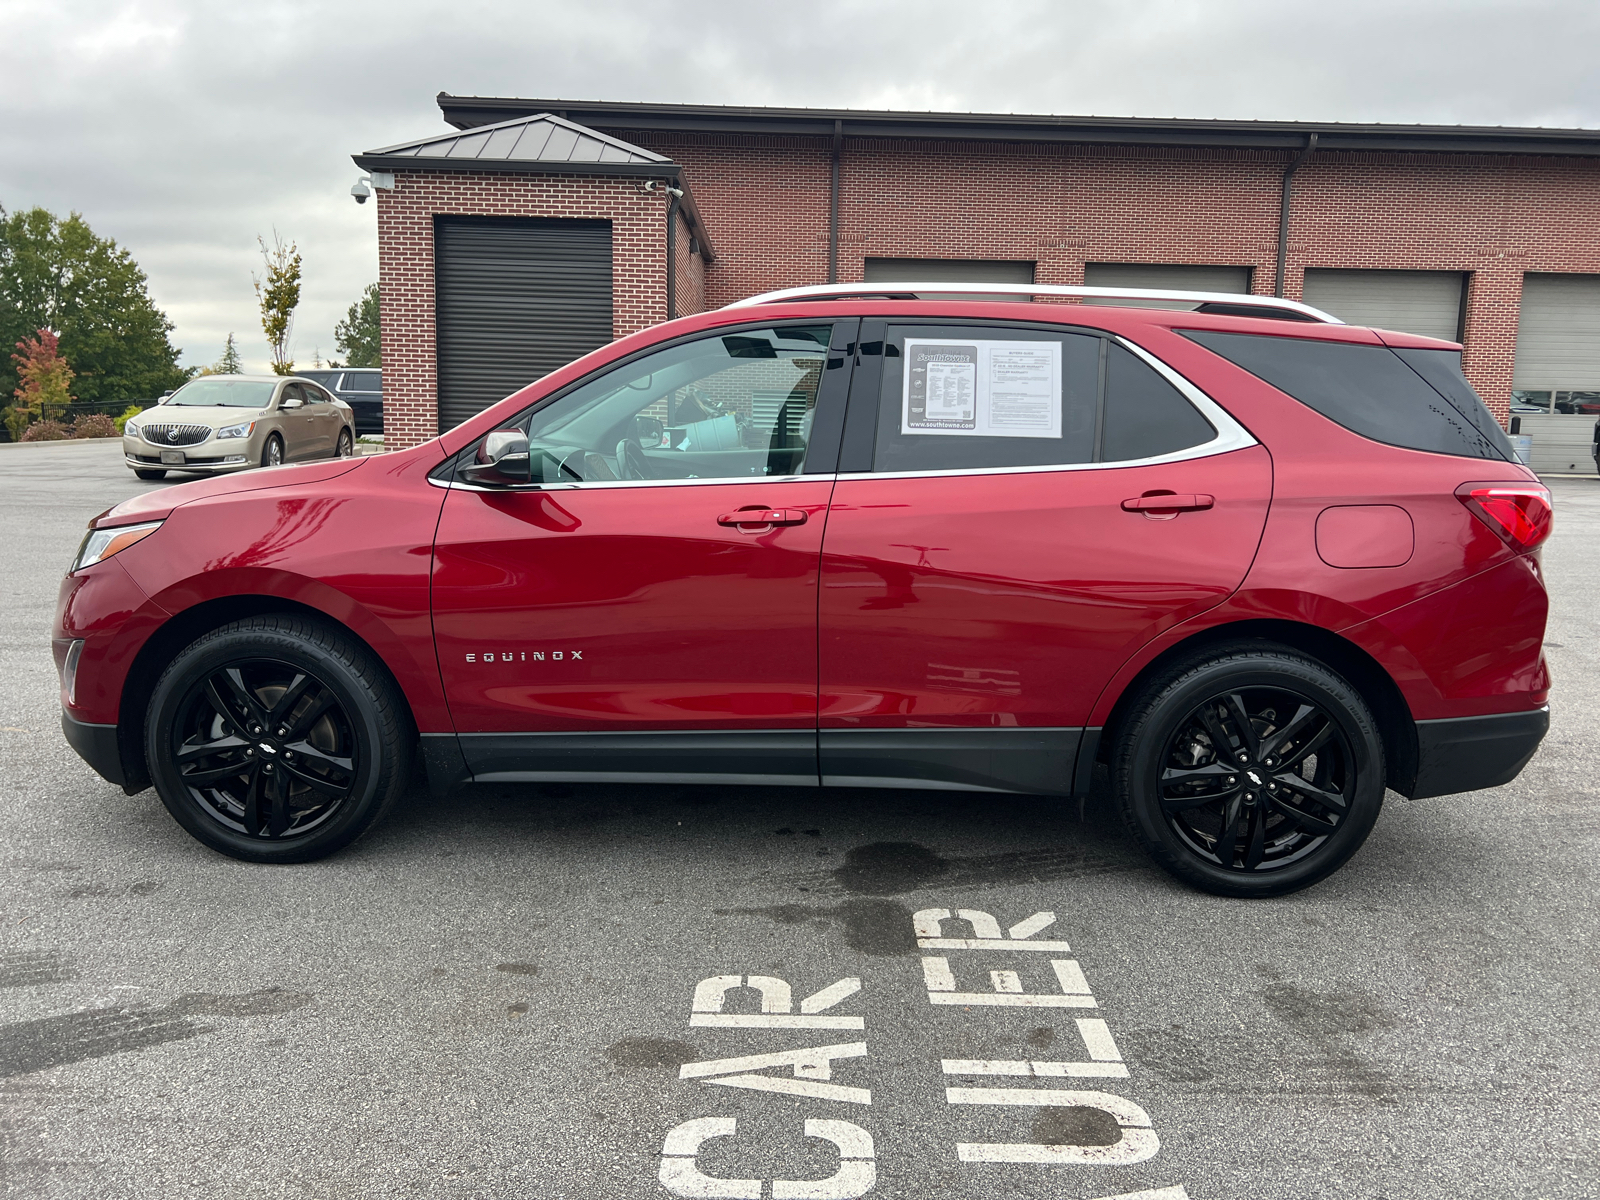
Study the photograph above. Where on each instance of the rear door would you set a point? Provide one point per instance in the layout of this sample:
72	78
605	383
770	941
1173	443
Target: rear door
998	545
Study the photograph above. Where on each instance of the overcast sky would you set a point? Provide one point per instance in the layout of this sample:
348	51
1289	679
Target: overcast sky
184	129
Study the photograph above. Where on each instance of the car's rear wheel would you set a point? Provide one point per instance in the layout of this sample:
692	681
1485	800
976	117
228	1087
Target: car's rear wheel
272	452
141	473
277	739
346	445
1255	771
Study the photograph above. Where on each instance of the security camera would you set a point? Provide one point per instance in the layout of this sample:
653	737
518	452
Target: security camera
361	190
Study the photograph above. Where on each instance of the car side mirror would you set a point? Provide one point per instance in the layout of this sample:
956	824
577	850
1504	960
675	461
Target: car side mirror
292	402
502	460
649	431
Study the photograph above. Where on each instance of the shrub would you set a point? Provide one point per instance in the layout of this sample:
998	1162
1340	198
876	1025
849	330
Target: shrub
95	425
132	411
46	431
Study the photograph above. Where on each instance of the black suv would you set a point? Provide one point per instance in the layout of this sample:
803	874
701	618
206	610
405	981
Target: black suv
359	387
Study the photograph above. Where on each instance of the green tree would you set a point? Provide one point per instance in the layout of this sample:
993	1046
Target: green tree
44	383
358	335
279	295
57	274
230	363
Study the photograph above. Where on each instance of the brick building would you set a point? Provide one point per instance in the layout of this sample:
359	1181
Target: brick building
538	229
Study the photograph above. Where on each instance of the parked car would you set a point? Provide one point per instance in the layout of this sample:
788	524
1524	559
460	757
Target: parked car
222	423
359	387
1260	569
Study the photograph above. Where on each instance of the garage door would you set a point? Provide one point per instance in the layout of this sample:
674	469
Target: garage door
1561	445
1175	277
1558	334
1421	302
515	299
951	270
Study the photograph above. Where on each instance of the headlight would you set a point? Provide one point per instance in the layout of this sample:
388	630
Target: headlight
130	429
101	544
237	431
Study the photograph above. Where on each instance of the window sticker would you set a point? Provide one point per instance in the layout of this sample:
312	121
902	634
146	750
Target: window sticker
982	388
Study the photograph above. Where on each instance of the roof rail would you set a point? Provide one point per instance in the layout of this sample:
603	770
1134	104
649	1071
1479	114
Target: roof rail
1231	303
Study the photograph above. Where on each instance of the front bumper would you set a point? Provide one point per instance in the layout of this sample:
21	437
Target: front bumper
1464	754
97	746
200	466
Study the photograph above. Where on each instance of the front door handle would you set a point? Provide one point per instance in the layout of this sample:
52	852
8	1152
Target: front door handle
1168	502
764	516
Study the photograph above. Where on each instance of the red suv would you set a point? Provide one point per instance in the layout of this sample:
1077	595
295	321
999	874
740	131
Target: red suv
1259	563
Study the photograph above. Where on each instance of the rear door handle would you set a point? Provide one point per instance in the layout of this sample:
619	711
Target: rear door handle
764	516
1168	502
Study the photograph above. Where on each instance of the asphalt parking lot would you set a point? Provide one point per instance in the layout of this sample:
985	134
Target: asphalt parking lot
493	995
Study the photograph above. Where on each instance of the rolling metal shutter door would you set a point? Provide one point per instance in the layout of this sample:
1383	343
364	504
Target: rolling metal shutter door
1558	334
1172	277
515	299
1427	303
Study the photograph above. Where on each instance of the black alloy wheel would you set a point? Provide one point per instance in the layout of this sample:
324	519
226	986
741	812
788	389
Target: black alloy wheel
272	452
1255	772
346	445
276	739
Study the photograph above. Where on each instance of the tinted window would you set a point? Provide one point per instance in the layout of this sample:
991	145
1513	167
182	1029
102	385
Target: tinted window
1144	414
966	397
1442	370
1369	390
361	381
732	406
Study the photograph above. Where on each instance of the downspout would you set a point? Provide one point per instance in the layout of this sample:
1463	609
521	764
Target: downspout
1283	209
672	253
833	206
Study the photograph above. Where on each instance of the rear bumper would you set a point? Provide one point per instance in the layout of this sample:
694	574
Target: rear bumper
96	745
1464	754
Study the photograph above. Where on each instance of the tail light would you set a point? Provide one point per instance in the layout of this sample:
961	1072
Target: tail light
1521	513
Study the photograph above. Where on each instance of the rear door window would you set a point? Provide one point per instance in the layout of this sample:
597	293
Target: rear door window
987	397
1406	398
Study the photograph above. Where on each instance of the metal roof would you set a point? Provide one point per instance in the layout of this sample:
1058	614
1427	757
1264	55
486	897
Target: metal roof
542	138
542	143
471	112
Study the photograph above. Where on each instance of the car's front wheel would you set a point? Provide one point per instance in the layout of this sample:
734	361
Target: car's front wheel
272	452
277	739
346	445
1255	771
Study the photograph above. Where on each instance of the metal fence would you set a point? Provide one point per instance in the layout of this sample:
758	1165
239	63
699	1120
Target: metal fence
79	408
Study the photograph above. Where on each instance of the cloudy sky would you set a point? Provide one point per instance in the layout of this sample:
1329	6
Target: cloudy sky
185	128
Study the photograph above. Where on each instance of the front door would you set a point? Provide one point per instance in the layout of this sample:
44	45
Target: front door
649	608
997	546
296	423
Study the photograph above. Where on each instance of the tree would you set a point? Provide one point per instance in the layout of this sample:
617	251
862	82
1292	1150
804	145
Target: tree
57	274
279	295
358	335
44	382
230	363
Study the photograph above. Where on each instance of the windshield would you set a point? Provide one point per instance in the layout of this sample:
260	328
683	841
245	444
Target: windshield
224	393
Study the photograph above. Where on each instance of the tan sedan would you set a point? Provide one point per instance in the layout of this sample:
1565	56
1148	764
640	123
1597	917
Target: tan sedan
223	423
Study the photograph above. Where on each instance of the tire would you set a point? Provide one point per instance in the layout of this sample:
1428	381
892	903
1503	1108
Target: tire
272	452
141	473
346	445
295	791
1295	821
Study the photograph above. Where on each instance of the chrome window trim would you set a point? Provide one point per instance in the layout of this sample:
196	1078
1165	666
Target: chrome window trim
1230	436
721	481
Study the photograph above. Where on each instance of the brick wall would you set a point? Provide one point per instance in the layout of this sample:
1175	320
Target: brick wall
405	267
765	203
765	200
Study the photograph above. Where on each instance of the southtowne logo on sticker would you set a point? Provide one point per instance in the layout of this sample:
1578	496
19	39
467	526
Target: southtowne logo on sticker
808	1071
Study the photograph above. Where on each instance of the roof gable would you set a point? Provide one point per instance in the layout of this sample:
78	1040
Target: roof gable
541	138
